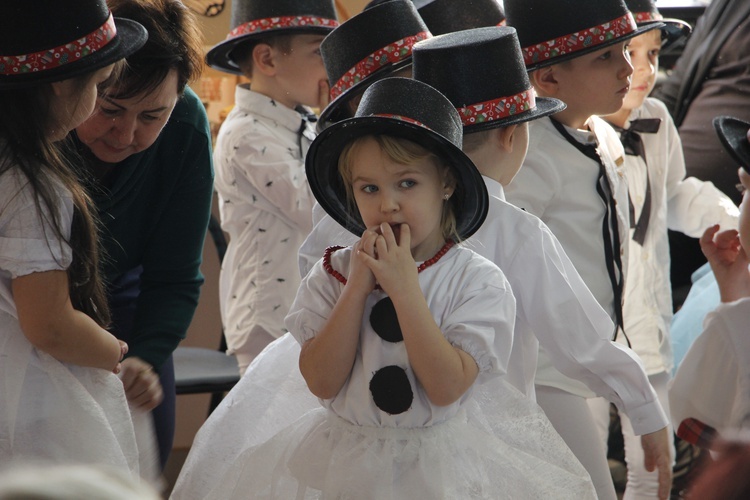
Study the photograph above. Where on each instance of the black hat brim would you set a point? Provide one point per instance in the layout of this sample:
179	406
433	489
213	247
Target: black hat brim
336	109
470	198
219	56
732	133
131	36
673	31
545	106
641	29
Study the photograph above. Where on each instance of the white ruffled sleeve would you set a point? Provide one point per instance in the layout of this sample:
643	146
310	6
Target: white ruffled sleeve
481	323
316	296
28	242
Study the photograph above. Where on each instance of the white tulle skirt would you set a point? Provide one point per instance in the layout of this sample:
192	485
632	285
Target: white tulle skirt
270	438
52	412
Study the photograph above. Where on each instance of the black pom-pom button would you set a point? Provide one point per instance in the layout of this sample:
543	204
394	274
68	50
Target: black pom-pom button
384	321
391	390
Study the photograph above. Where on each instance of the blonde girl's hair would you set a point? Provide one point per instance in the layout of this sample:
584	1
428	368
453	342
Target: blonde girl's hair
404	152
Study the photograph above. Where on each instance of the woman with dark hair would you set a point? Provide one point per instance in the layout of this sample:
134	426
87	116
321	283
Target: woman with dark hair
147	149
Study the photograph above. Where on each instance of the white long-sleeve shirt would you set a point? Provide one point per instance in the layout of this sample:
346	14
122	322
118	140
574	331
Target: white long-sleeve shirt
265	204
687	205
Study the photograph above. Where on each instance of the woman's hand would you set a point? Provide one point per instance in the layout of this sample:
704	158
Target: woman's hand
142	385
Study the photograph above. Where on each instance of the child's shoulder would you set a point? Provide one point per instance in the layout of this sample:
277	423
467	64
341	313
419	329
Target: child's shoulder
476	270
654	108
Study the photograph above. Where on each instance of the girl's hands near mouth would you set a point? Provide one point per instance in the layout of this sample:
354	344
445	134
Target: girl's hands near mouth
392	263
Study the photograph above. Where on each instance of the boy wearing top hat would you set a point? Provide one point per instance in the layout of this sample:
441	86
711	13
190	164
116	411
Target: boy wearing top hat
660	198
264	199
574	180
356	56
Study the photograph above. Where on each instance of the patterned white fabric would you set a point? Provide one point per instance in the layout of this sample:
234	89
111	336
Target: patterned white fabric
265	205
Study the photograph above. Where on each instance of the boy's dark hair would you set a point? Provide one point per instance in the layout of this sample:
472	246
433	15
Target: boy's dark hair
174	42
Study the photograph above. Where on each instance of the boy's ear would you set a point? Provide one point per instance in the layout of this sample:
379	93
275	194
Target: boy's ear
264	59
545	81
504	137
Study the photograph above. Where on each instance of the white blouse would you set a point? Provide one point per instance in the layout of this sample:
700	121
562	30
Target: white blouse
471	302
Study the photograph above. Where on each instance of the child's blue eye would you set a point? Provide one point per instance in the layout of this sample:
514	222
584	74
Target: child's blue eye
407	183
369	188
605	56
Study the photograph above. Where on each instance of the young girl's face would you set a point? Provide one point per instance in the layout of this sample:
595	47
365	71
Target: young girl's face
595	83
74	100
644	55
394	193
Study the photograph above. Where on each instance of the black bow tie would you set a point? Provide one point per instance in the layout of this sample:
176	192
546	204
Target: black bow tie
631	137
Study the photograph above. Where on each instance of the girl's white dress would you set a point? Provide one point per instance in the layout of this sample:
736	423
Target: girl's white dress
50	411
381	437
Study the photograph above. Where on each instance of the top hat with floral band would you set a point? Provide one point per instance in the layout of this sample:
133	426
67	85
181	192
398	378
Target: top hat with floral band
733	135
253	20
645	12
447	16
53	40
412	110
555	31
371	45
485	95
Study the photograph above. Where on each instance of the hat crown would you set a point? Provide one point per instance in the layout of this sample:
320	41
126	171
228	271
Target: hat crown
447	16
472	66
253	10
32	26
367	32
642	6
538	21
413	100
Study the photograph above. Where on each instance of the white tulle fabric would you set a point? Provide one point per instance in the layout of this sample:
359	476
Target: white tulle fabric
270	438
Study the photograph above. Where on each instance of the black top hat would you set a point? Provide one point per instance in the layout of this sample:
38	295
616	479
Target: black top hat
481	71
258	19
645	12
371	45
45	41
447	16
733	135
554	31
410	109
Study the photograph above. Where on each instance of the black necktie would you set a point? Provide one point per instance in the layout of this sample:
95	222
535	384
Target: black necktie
307	117
633	144
610	231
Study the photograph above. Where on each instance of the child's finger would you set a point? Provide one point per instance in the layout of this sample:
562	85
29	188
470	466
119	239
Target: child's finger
388	235
727	239
324	90
708	234
405	236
